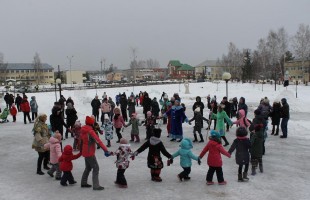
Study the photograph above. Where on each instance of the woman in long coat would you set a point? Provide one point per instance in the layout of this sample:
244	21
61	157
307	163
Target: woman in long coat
220	116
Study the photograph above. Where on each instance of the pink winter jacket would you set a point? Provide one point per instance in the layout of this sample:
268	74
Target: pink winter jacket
105	107
242	121
55	150
119	123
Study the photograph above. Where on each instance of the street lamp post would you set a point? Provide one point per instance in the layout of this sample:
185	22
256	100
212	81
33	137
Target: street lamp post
70	59
226	76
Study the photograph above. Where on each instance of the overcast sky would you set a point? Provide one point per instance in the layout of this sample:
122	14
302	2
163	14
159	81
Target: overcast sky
188	30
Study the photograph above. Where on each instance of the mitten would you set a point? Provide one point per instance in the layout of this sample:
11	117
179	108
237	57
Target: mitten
199	161
169	161
107	154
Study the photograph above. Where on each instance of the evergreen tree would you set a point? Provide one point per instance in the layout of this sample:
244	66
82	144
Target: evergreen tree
247	70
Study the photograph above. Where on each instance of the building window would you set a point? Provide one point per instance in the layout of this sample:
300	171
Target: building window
22	71
12	71
45	76
50	77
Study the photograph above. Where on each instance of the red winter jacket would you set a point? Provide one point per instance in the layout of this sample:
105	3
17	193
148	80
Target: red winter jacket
25	106
215	150
89	139
66	159
13	111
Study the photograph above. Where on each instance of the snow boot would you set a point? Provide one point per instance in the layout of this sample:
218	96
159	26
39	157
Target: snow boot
245	176
201	138
210	183
195	138
253	171
240	179
223	183
40	172
261	167
180	177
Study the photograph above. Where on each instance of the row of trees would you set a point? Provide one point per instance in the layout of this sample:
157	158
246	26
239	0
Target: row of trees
267	61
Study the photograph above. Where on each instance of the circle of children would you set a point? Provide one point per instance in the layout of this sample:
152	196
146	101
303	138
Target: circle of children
47	138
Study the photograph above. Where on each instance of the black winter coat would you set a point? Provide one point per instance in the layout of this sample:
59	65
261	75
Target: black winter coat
95	104
275	115
155	108
242	146
71	116
18	100
155	145
198	120
285	111
57	121
227	108
147	104
257	139
199	104
257	120
124	103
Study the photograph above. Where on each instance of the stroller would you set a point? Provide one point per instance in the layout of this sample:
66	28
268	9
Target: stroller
4	115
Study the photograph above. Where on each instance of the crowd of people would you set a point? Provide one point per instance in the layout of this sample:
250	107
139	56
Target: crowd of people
109	116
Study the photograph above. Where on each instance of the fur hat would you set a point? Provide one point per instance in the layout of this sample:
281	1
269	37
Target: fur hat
197	109
157	132
42	117
149	114
123	141
215	134
241	132
89	121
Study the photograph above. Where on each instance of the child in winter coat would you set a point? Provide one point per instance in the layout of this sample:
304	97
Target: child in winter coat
257	140
55	153
154	160
135	127
76	131
122	162
66	165
198	124
149	123
97	130
107	128
186	157
242	145
220	116
242	120
215	162
34	108
13	112
118	123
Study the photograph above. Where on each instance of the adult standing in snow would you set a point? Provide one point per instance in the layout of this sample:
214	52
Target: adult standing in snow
164	105
18	101
89	139
25	107
95	104
124	103
131	105
177	116
285	115
275	115
227	110
57	120
70	100
212	105
41	137
155	108
199	104
71	118
7	99
34	107
112	104
147	104
242	106
105	109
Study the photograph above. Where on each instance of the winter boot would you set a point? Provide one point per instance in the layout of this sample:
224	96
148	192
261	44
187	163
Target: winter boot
261	167
109	143
195	138
240	179
253	171
245	176
180	177
201	138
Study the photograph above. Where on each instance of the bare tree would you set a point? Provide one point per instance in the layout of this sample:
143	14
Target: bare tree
301	43
150	63
262	56
3	68
37	65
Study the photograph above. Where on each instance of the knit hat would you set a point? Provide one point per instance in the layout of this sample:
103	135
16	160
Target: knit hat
89	121
197	109
106	116
157	132
241	132
123	141
149	114
215	134
257	112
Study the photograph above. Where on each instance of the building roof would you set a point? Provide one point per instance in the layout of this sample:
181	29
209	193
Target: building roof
26	66
174	63
185	67
208	63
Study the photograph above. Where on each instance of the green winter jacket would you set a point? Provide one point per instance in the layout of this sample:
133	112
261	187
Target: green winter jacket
220	123
257	139
135	126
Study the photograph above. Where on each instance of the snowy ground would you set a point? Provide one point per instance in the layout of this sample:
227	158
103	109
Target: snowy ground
286	162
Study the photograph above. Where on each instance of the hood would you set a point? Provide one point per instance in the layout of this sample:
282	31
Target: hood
241	113
186	144
53	140
198	99
243	99
283	101
177	107
68	150
33	98
154	140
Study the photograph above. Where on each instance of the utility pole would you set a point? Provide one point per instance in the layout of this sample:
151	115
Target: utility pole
70	59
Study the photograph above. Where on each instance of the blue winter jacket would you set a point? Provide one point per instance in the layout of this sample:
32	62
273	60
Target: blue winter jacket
185	153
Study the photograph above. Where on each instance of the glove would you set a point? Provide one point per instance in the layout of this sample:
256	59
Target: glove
107	154
199	161
169	161
132	157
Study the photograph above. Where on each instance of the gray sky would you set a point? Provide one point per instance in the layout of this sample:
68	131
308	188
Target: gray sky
188	30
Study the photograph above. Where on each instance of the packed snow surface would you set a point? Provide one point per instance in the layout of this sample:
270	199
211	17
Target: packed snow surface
286	163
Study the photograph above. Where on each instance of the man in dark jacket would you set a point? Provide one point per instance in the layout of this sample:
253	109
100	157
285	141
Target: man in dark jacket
95	104
199	104
285	115
18	101
124	103
6	99
242	106
56	119
147	103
